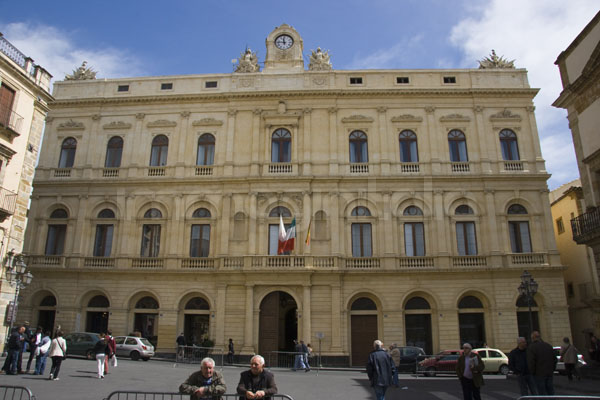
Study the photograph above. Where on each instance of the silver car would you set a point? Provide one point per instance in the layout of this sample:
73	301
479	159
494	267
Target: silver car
134	347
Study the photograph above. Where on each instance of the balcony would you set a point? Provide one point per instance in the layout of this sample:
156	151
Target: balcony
586	227
11	123
8	203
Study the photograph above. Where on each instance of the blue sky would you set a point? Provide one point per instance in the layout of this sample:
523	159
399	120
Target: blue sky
150	38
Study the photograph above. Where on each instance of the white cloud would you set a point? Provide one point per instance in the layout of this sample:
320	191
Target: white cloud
387	58
534	32
55	51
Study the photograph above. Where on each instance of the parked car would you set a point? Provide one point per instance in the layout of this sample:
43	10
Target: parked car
81	344
134	347
495	360
444	362
560	366
409	356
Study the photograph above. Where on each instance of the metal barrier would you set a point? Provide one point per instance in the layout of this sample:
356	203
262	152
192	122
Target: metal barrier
558	397
195	354
122	395
282	359
15	393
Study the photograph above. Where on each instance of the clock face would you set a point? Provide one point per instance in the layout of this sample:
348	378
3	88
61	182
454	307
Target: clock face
284	42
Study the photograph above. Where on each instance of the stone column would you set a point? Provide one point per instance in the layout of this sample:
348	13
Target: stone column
128	235
220	315
132	146
333	147
440	223
78	243
485	155
225	222
175	240
306	142
183	150
252	225
382	142
255	162
388	225
430	146
249	326
228	171
306	315
96	148
492	223
335	223
336	320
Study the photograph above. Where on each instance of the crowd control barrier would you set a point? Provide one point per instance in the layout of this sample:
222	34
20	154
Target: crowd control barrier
559	397
281	359
195	354
120	395
15	393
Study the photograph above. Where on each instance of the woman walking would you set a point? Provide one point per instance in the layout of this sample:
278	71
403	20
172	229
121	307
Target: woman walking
57	352
101	349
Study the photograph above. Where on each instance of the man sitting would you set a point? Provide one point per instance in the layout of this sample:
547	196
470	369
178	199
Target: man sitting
257	383
206	383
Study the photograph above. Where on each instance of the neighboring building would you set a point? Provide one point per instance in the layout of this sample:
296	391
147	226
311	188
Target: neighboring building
24	98
579	67
157	203
581	278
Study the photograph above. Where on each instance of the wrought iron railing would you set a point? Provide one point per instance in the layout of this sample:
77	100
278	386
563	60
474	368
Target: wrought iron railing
8	201
10	119
586	226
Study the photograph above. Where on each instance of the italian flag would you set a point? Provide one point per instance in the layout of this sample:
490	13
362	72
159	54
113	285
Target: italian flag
286	239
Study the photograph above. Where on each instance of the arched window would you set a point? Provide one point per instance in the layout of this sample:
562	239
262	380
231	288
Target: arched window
408	146
464	210
151	235
466	237
160	148
99	301
363	304
206	150
470	302
509	146
281	146
57	231
67	153
358	147
414	233
520	239
412	211
59	213
114	151
417	303
147	302
200	235
153	213
104	234
48	301
197	303
279	210
361	234
471	321
517	209
320	229
97	314
458	146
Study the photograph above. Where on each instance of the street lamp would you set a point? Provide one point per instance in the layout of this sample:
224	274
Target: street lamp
18	277
528	288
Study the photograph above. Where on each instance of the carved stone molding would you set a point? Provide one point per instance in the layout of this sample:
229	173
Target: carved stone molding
406	118
49	119
209	121
332	110
257	111
478	109
530	108
382	109
320	81
429	109
455	118
505	115
291	119
71	125
231	112
357	118
117	125
95	117
140	116
185	114
307	110
161	123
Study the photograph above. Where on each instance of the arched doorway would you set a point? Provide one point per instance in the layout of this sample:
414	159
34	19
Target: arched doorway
523	317
97	314
278	324
363	329
47	313
145	320
417	322
196	322
471	321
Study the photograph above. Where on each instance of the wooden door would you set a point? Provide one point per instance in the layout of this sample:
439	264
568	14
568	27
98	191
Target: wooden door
364	333
268	337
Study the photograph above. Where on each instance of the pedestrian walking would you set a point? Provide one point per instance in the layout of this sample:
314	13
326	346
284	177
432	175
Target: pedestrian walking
298	356
517	362
57	352
568	355
42	354
230	351
469	370
395	354
111	355
594	349
541	362
380	369
34	342
27	334
257	383
180	346
305	356
206	383
101	349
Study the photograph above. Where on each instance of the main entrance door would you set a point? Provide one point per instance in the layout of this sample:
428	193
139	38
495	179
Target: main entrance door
363	329
278	325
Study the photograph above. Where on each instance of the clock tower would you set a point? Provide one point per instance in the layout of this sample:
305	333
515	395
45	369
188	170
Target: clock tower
284	50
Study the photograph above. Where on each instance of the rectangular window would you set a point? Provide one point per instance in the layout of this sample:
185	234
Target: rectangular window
150	240
274	238
466	238
449	79
123	88
210	84
520	241
560	227
570	290
200	241
414	239
103	241
166	86
402	79
55	242
355	80
7	97
361	240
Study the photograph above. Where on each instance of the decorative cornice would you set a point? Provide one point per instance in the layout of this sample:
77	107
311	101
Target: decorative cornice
455	118
117	125
209	121
161	123
140	116
505	115
185	114
357	118
406	118
71	125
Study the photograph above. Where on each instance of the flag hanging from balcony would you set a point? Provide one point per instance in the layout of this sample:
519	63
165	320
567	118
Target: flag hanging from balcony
286	239
307	241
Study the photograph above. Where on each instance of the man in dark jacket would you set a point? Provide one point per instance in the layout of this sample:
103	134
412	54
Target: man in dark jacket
256	383
15	348
469	368
206	383
517	362
380	369
541	362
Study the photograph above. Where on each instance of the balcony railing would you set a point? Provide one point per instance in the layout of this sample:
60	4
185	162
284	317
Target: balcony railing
460	167
8	203
10	120
586	227
359	168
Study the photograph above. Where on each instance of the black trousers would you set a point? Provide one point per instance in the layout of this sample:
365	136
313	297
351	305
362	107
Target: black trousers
56	361
470	391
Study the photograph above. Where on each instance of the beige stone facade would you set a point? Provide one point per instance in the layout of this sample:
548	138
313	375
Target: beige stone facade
24	98
413	248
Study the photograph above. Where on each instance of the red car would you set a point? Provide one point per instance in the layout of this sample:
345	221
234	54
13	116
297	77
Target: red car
443	362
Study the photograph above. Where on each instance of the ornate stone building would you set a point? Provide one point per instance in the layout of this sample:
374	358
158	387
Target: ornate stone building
157	202
24	98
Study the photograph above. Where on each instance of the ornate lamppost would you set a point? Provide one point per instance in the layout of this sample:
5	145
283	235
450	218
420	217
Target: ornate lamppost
528	288
18	277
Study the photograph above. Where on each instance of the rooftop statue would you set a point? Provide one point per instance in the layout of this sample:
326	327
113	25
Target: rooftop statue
496	62
248	62
81	73
319	61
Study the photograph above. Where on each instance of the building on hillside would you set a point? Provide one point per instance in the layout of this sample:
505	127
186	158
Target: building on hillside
579	67
581	278
158	200
24	98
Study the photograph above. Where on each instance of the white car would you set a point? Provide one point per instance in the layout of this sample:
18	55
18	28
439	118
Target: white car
493	359
134	347
560	366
